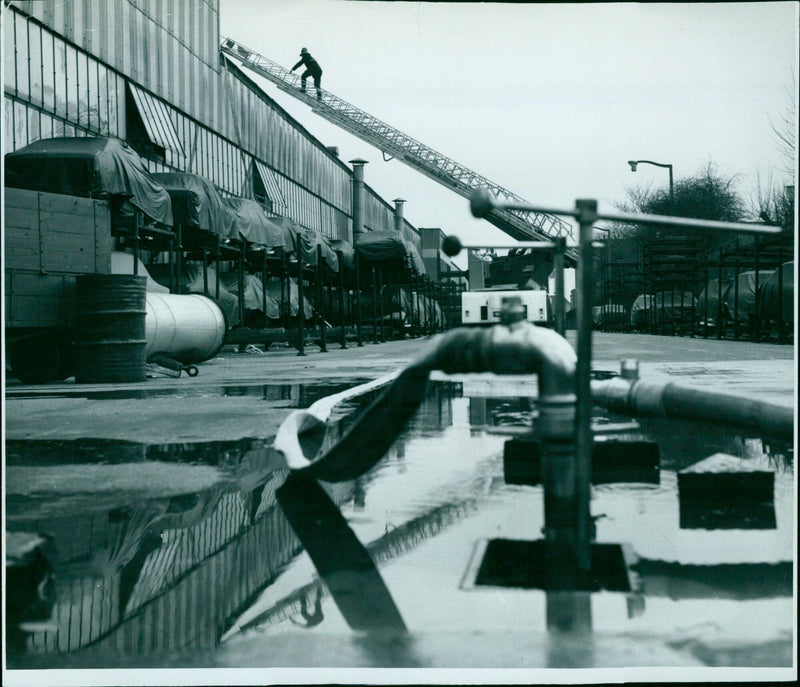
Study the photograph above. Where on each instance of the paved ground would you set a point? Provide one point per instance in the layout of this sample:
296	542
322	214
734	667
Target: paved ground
233	398
208	407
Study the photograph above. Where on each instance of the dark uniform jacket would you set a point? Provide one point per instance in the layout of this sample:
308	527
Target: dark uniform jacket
310	64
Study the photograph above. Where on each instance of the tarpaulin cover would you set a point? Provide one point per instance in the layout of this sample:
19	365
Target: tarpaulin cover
210	212
392	308
185	207
309	242
609	314
290	230
742	305
253	293
395	300
389	246
777	303
711	294
673	306
89	167
416	259
345	250
253	224
381	245
191	281
418	308
333	312
291	293
122	263
406	301
641	309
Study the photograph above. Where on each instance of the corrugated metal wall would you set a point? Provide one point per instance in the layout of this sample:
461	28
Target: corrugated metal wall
168	48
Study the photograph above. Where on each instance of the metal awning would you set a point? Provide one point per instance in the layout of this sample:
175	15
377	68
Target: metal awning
270	184
155	116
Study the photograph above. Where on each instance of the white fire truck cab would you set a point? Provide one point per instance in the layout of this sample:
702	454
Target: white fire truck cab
485	307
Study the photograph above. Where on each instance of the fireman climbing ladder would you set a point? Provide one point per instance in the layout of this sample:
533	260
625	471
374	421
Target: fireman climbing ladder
520	225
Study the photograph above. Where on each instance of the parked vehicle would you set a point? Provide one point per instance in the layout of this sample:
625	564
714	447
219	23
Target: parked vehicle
485	307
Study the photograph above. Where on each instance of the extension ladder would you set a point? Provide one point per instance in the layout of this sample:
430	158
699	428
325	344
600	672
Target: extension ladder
517	224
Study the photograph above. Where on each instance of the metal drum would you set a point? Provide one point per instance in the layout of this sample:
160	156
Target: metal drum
189	328
110	328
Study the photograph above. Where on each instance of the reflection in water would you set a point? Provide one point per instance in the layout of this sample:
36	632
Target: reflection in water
152	578
299	395
569	625
684	443
343	563
169	573
387	648
719	515
157	579
225	454
394	543
500	412
724	581
310	619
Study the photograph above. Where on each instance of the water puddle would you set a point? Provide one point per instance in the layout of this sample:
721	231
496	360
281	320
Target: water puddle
299	395
112	451
217	576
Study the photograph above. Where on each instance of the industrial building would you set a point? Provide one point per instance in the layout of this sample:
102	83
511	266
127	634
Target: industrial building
153	76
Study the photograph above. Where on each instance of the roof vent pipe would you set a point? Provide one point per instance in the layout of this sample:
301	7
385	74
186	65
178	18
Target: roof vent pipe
398	215
358	198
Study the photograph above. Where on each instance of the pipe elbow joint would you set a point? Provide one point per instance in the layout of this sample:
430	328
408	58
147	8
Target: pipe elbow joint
524	348
521	348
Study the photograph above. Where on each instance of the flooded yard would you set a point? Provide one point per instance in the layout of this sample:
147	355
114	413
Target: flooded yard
201	567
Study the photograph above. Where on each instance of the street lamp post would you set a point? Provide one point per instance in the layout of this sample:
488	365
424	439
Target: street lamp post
633	164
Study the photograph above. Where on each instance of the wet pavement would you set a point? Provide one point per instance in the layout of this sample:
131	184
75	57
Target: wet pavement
170	548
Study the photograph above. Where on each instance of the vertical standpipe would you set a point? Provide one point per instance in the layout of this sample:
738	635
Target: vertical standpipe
358	229
358	198
398	215
559	323
586	215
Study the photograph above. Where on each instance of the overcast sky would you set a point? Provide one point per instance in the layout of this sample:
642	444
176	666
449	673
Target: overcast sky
546	100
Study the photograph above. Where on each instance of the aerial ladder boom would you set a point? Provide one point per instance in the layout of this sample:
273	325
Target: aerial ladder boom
520	225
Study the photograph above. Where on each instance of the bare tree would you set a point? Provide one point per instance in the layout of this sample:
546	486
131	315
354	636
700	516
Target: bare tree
772	203
785	131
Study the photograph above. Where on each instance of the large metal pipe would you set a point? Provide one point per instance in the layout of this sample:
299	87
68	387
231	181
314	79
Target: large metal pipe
559	316
189	328
521	348
481	204
587	215
666	399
